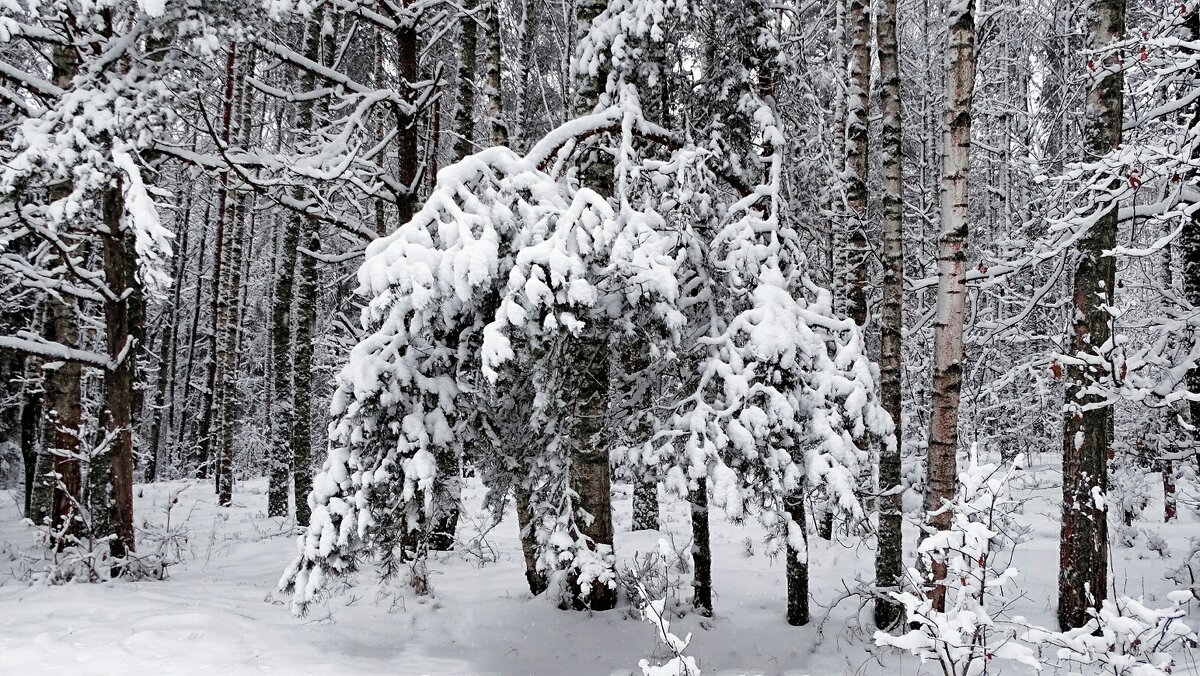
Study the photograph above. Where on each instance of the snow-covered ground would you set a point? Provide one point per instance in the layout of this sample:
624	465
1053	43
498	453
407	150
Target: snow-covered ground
218	611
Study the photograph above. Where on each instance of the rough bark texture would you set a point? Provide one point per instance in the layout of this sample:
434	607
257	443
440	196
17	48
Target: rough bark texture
535	578
31	416
408	153
524	69
493	92
857	158
60	493
464	115
231	301
889	557
119	397
1088	426
306	321
634	400
283	464
702	589
169	353
57	483
797	562
942	465
307	282
209	441
590	478
447	501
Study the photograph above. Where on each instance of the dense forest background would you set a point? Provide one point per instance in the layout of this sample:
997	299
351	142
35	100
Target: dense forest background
836	268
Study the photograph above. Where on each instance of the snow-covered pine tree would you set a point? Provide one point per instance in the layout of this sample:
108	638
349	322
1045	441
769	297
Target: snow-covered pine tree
482	297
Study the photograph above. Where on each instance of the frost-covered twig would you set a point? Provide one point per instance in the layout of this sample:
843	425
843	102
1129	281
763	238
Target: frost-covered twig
653	611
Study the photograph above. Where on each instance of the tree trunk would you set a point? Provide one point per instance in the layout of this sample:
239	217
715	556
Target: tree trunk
494	90
57	485
209	443
169	350
232	300
119	318
535	577
797	559
590	478
447	500
308	282
408	160
1170	505
857	158
701	550
150	473
589	470
306	322
889	558
464	115
285	468
63	409
528	31
31	415
942	464
1088	425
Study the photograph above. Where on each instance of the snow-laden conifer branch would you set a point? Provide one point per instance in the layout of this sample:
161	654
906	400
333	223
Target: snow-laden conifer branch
502	270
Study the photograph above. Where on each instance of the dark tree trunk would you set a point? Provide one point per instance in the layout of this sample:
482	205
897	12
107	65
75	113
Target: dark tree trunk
184	420
119	377
448	496
702	589
305	304
31	416
209	442
408	160
493	88
231	302
535	577
797	560
464	115
60	493
590	478
1087	425
285	468
888	559
857	158
169	351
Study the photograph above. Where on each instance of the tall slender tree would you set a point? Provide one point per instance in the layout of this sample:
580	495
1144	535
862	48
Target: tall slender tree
284	466
590	478
942	463
889	557
1087	417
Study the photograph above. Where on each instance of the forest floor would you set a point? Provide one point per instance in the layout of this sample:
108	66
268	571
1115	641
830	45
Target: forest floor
218	610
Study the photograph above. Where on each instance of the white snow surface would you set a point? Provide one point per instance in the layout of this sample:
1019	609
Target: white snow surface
218	611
